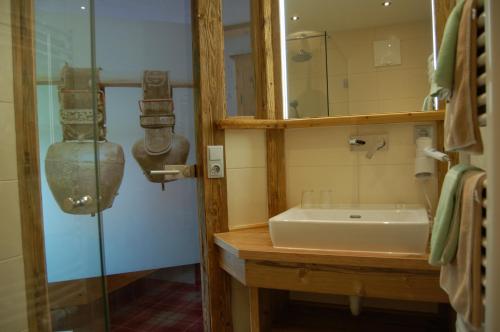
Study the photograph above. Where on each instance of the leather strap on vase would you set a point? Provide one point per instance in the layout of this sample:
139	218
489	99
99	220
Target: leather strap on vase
76	95
157	112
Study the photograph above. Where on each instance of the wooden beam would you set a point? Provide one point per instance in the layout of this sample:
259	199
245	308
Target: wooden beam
339	280
28	168
275	139
85	291
208	72
276	171
381	118
262	47
255	322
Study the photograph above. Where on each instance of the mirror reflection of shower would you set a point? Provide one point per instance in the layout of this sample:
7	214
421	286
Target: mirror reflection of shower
308	91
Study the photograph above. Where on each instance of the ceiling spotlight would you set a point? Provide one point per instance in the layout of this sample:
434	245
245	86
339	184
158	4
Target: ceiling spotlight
295	18
386	3
83	7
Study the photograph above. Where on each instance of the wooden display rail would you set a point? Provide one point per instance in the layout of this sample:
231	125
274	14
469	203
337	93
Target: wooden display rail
253	123
249	256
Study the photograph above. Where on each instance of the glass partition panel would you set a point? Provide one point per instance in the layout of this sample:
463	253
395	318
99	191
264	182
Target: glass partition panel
71	134
117	145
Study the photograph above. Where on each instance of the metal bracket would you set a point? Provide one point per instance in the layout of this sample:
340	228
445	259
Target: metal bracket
176	172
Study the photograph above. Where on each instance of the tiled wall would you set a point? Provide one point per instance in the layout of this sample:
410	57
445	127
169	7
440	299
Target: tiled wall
320	159
12	287
246	177
355	85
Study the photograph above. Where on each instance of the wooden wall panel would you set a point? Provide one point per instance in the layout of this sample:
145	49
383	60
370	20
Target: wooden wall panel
22	18
208	72
276	171
262	46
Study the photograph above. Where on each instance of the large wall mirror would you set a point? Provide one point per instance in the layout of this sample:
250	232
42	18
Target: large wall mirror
355	57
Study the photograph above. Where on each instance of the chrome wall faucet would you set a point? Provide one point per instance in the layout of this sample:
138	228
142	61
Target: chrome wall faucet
369	143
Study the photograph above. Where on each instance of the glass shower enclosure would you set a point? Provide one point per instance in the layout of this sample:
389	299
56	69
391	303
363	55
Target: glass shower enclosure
307	68
115	106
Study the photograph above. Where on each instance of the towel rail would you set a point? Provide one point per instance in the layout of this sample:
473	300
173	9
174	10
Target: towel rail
481	20
481	60
481	40
481	80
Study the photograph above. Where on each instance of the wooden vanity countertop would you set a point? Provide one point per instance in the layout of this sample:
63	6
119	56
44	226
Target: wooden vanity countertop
255	244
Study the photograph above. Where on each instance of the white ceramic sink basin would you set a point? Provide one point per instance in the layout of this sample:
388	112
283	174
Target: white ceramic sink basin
379	228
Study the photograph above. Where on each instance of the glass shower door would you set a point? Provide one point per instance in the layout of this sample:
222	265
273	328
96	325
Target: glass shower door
116	121
72	137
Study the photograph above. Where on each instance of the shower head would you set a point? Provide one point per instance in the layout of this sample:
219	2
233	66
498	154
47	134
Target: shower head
302	56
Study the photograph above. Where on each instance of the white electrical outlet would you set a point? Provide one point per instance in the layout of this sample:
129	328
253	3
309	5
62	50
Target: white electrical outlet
215	161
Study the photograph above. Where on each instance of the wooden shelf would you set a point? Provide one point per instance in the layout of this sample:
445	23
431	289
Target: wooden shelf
249	256
252	123
256	244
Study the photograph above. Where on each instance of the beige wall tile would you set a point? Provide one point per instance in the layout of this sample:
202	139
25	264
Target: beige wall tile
415	52
247	196
339	179
320	158
319	146
5	12
339	109
363	87
10	224
12	296
411	83
337	60
389	184
338	92
364	107
401	105
245	148
8	161
6	90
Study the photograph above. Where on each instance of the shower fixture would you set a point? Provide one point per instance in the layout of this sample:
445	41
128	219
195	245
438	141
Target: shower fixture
302	56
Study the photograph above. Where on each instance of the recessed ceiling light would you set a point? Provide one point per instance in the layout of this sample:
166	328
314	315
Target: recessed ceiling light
83	7
295	18
386	3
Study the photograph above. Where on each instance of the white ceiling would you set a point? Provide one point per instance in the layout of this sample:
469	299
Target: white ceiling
314	14
179	11
338	15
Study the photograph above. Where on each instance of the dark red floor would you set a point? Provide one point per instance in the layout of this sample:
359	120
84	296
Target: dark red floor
157	305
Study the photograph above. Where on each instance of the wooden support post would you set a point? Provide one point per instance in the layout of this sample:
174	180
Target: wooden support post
263	57
28	168
276	171
255	322
208	72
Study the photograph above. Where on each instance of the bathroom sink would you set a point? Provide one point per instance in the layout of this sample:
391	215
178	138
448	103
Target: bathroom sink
376	228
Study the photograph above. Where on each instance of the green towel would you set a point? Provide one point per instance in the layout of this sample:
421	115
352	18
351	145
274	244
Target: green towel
442	83
450	248
444	212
